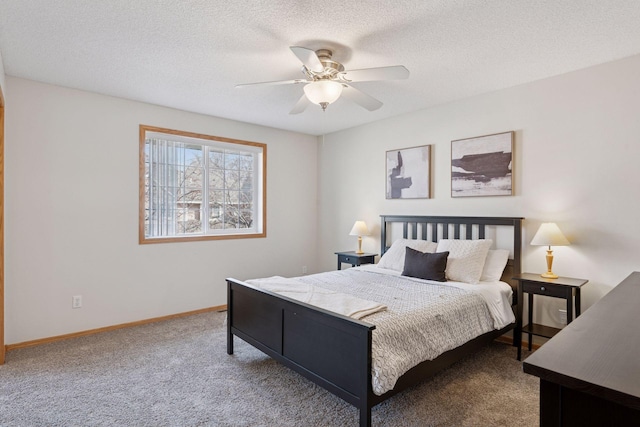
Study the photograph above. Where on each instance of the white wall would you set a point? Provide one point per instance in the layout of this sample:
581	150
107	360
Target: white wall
2	77
577	149
72	195
72	215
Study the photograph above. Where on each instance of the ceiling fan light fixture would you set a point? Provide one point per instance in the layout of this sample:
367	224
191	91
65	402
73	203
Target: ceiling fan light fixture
326	80
323	92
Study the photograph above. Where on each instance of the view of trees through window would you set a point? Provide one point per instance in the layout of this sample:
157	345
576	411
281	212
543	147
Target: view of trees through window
203	188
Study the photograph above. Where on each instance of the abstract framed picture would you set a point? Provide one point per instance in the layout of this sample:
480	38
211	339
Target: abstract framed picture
409	173
482	166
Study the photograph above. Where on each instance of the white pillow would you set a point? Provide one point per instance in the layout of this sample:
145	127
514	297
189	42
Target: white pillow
393	258
466	258
494	265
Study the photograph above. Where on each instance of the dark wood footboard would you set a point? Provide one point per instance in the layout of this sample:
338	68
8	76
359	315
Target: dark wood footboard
332	350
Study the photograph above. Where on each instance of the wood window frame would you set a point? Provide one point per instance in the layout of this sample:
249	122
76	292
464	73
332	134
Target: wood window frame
142	239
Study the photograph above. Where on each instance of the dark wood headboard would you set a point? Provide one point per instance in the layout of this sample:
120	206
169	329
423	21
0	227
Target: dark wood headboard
435	228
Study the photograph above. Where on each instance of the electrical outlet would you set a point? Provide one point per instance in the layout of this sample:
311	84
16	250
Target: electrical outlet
304	269
76	301
562	314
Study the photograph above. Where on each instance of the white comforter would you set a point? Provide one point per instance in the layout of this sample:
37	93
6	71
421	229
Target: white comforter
424	318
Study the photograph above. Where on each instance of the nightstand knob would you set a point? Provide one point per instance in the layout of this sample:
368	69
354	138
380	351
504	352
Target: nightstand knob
542	288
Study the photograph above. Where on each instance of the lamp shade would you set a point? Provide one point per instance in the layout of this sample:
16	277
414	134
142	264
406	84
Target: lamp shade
323	91
359	229
549	235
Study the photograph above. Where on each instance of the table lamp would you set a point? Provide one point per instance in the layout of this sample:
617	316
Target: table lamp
549	235
359	229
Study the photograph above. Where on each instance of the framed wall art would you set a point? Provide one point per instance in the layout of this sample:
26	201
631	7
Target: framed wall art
409	173
482	166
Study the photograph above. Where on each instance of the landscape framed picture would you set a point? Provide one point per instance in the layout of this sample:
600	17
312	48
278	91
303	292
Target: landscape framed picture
409	173
482	166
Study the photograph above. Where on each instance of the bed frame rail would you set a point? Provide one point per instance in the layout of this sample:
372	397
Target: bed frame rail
332	350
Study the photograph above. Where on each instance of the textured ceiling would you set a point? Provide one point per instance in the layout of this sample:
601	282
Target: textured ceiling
190	54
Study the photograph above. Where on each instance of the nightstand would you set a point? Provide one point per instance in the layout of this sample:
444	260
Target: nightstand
354	259
566	288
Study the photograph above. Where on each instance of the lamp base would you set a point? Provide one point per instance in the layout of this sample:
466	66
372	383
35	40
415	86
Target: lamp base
549	274
359	252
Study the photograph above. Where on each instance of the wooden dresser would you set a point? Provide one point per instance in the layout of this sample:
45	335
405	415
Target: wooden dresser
590	371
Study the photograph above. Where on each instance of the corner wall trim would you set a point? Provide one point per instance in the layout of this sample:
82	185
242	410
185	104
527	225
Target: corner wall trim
2	348
41	341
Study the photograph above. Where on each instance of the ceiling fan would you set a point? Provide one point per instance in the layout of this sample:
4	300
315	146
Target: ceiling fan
326	80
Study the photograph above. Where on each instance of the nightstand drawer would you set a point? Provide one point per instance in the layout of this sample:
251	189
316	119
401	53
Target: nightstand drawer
349	259
544	289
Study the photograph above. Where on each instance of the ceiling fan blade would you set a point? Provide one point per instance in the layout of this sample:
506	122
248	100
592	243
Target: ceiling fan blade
301	105
274	83
308	57
395	72
360	98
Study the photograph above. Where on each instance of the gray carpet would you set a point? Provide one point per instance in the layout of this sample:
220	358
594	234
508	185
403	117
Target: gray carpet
177	373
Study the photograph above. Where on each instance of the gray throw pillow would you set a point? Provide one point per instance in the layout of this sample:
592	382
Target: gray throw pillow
425	265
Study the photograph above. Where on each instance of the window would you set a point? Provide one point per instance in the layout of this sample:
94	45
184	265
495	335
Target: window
200	187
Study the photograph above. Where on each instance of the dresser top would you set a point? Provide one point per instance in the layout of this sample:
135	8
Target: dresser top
597	353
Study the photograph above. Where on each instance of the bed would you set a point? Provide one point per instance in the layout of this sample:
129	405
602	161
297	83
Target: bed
334	350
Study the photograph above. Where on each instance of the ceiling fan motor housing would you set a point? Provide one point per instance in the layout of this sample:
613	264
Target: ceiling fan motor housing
331	67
